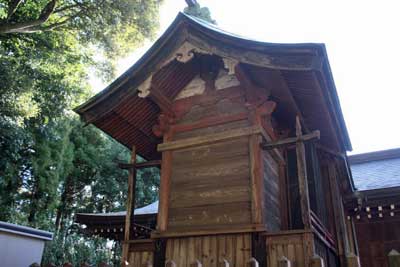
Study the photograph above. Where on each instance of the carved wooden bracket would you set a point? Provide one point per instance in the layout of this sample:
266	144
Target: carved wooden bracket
163	126
144	88
255	95
230	65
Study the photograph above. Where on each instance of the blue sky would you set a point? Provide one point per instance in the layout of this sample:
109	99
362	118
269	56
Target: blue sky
362	39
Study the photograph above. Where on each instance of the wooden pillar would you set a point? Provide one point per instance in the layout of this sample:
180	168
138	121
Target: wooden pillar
165	184
302	176
338	211
130	207
256	170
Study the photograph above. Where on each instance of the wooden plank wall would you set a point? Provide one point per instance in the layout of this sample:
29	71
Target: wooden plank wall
271	192
140	259
141	253
210	183
376	238
210	250
296	246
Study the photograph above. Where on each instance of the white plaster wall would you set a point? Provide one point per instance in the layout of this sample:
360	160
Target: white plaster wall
19	251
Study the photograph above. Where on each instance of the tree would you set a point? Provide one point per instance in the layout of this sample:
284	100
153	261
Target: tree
52	165
193	9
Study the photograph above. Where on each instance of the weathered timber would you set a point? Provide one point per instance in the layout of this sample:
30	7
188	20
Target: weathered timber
162	101
283	194
141	165
284	262
317	261
272	191
210	185
302	176
130	206
211	251
209	230
338	215
313	136
256	170
354	261
255	95
209	121
208	139
295	246
165	187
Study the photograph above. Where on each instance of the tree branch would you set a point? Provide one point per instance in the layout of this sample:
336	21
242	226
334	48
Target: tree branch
12	7
21	27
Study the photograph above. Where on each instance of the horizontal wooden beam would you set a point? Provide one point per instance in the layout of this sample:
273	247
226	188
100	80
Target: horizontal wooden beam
208	122
313	136
209	138
213	230
142	165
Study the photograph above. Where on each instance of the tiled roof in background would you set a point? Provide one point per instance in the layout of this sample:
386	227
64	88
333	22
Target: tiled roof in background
375	170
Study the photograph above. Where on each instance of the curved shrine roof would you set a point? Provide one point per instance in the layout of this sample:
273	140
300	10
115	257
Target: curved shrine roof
303	83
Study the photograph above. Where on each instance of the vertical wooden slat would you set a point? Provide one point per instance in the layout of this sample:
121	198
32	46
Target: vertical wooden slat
221	244
291	255
302	176
240	261
175	256
130	206
206	250
247	247
230	256
284	209
213	251
191	256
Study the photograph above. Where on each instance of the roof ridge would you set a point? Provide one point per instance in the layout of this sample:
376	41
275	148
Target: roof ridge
374	156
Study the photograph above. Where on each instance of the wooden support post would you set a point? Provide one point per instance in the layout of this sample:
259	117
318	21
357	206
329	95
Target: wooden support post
338	211
165	184
130	207
257	183
302	176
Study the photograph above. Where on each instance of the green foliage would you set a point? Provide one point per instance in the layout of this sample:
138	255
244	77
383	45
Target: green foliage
51	165
203	13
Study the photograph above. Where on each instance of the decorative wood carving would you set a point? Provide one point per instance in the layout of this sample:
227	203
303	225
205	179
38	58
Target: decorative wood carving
230	65
186	52
144	88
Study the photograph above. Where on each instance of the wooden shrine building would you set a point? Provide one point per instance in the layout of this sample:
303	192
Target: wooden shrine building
250	140
375	207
